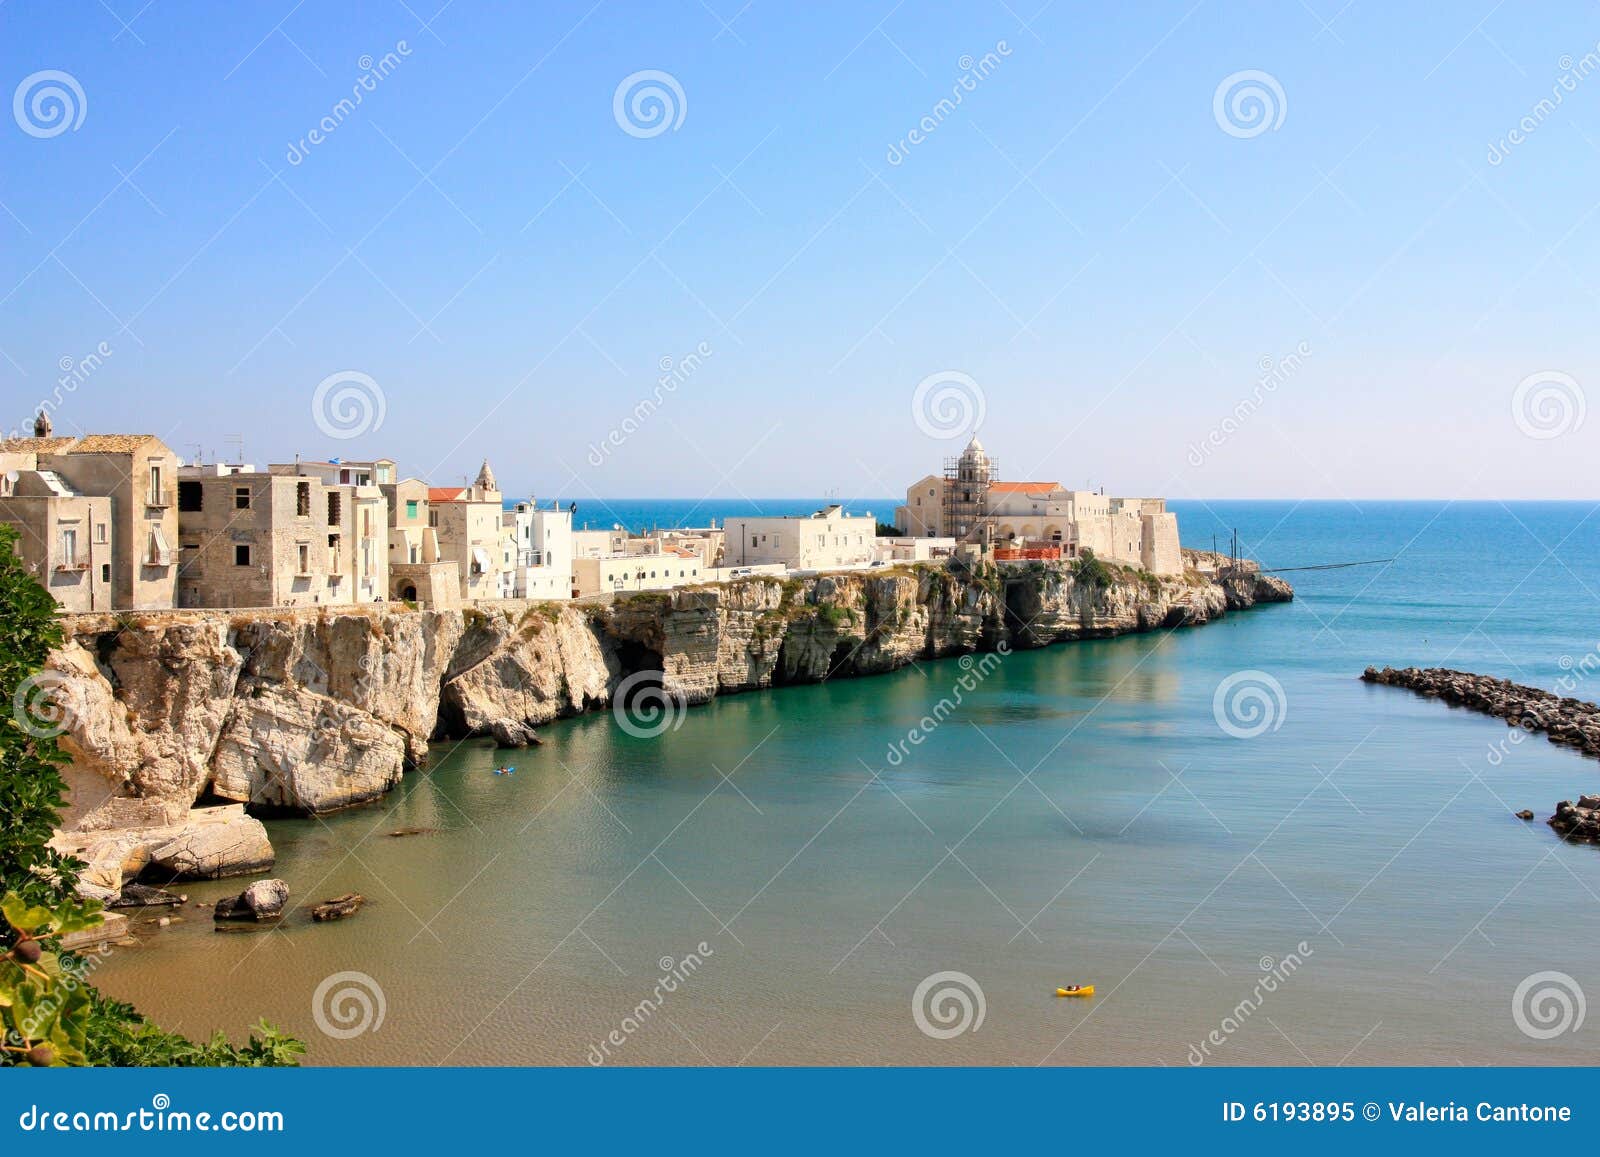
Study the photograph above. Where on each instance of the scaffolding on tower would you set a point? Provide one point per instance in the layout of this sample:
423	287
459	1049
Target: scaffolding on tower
966	495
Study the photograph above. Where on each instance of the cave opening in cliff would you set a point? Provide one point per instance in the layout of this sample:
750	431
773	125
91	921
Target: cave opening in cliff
643	672
1019	609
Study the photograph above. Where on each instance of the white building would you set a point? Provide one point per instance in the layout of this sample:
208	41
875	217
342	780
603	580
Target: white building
588	543
914	549
830	539
542	550
623	573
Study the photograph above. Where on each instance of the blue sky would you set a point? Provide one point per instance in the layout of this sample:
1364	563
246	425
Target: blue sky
1081	237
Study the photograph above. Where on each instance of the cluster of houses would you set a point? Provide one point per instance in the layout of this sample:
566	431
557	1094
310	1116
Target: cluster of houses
119	522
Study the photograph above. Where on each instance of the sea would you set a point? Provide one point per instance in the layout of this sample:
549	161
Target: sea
1253	856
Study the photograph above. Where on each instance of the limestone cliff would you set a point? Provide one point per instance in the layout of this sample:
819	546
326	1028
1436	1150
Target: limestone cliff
304	711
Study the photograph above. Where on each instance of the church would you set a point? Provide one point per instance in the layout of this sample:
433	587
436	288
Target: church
970	503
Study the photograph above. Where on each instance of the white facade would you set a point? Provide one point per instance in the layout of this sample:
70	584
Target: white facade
588	543
830	539
542	550
914	549
623	573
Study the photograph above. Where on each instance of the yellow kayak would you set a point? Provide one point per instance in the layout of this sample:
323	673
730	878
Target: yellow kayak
1076	990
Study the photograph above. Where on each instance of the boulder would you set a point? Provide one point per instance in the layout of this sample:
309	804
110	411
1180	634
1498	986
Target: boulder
231	844
294	749
513	733
339	907
263	900
203	843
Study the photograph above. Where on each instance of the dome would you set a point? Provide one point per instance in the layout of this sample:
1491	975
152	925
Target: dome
974	449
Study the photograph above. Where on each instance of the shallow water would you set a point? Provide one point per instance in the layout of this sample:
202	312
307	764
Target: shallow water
1081	816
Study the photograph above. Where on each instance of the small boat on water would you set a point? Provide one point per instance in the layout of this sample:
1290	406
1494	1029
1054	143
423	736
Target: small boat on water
1076	990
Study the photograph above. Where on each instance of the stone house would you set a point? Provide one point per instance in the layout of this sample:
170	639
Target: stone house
471	533
137	475
64	538
273	538
418	572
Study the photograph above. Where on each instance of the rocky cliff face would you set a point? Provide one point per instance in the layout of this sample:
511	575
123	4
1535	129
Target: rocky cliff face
308	711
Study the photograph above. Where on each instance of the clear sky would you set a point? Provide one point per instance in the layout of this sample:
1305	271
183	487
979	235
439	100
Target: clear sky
1106	247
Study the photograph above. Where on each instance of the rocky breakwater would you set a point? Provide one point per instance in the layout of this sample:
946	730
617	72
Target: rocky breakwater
1562	719
186	727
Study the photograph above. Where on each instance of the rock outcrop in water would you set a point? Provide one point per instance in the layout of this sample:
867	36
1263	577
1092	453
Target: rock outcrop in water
1578	821
1563	719
305	711
1573	722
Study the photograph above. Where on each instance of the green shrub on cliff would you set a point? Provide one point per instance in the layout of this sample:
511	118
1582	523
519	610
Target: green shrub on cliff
49	1013
31	787
1089	571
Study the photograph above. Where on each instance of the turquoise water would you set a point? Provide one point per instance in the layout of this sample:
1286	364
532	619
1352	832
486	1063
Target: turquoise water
1081	816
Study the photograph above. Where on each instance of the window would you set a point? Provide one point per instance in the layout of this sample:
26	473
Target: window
333	552
302	501
69	549
190	496
105	572
241	498
99	532
160	552
753	541
433	518
304	550
335	507
241	554
156	498
411	508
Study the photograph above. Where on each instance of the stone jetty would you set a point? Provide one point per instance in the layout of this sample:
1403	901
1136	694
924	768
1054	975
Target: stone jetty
1565	720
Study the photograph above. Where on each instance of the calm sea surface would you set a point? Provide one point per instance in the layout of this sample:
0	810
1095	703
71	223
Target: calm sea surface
1080	816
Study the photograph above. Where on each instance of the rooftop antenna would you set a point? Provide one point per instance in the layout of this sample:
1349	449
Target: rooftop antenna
236	440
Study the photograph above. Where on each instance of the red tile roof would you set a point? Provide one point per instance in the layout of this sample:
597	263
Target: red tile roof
446	493
1025	487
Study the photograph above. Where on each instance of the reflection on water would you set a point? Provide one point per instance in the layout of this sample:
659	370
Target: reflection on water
1080	818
